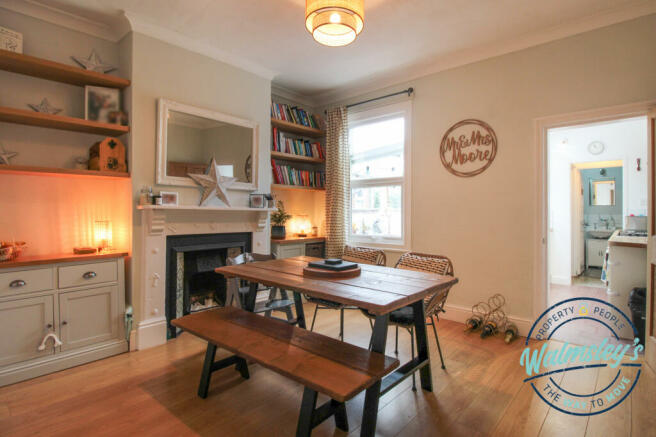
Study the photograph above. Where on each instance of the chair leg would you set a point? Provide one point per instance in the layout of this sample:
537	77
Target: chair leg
316	308
341	324
412	348
396	341
437	339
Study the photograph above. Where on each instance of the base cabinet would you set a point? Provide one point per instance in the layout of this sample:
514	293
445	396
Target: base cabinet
60	315
595	252
289	250
24	323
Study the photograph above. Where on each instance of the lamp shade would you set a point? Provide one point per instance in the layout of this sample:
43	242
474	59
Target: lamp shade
334	22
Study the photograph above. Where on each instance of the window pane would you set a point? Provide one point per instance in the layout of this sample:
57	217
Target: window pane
377	149
376	211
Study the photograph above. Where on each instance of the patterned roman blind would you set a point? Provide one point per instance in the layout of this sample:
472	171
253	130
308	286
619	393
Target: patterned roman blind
338	190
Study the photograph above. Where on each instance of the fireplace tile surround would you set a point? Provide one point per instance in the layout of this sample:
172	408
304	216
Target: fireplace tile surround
150	260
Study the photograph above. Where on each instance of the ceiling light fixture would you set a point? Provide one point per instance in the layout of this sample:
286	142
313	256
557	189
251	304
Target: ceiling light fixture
334	23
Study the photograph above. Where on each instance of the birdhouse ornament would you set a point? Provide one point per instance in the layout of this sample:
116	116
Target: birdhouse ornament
108	155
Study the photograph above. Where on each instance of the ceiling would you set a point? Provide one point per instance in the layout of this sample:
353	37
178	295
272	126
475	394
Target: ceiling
401	39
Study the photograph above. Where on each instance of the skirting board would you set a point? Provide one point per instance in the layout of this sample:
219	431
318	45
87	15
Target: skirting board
150	333
459	313
561	280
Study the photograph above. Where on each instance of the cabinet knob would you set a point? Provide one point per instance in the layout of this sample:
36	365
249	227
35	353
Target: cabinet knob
64	322
17	283
49	326
89	275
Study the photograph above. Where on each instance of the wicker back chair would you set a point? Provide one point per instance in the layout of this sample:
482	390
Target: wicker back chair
362	255
433	304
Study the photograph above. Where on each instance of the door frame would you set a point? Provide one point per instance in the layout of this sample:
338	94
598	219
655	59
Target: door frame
541	126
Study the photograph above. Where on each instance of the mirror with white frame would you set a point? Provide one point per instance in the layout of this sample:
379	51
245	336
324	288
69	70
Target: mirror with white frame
189	137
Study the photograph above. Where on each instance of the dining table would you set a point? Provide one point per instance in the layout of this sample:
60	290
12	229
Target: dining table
378	290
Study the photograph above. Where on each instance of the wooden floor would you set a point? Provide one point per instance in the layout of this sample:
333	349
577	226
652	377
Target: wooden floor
153	392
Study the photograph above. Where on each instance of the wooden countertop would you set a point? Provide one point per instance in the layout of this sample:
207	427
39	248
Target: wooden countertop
617	240
24	261
292	240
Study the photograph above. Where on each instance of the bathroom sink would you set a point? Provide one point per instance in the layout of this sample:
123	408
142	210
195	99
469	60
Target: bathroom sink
600	233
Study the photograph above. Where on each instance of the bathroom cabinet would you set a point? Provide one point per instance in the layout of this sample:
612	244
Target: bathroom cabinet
595	249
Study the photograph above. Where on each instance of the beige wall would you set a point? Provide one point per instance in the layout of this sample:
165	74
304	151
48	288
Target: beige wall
487	224
162	70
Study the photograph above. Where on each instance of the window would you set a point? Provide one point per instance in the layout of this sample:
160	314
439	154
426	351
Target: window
379	143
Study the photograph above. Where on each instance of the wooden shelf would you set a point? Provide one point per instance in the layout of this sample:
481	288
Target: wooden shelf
286	126
297	158
28	169
295	187
50	70
204	208
61	122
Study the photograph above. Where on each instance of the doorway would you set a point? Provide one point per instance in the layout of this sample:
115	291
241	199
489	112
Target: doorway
597	190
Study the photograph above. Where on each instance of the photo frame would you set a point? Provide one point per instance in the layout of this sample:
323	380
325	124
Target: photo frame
169	198
100	102
257	201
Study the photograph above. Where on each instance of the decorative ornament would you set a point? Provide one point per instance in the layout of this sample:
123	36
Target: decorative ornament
596	147
213	184
94	63
45	107
6	156
468	148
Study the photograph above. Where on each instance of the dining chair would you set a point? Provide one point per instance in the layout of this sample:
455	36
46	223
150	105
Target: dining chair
238	293
433	303
362	255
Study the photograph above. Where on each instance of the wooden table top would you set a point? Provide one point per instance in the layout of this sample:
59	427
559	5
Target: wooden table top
378	289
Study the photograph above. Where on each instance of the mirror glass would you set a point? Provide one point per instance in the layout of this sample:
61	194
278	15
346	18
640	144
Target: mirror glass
192	141
602	192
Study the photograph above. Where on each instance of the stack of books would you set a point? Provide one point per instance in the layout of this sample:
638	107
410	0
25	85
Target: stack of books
293	114
286	175
296	146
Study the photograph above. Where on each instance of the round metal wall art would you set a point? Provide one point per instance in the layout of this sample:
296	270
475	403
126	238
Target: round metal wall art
468	148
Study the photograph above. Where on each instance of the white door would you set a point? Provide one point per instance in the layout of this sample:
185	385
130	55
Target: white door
650	329
578	239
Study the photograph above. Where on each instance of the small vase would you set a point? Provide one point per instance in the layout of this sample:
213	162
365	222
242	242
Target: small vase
278	232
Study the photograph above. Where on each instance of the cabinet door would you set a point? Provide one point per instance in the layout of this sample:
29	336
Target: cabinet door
595	251
88	316
290	250
23	324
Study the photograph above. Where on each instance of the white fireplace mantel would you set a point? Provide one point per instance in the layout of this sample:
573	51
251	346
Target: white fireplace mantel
160	221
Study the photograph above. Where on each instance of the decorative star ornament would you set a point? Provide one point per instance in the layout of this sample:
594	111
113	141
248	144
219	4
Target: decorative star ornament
94	63
44	107
6	156
213	184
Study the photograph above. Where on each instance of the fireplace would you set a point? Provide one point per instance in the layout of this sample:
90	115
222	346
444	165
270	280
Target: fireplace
191	283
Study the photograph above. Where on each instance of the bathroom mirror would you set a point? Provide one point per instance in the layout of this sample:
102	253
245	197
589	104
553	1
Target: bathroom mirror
189	137
602	192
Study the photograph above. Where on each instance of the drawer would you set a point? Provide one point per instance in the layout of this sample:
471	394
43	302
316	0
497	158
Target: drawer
25	281
87	274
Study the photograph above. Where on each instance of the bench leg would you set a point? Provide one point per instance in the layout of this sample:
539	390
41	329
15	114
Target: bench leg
206	374
309	402
300	313
311	416
372	395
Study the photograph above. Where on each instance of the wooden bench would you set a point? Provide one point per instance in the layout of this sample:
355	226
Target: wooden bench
322	364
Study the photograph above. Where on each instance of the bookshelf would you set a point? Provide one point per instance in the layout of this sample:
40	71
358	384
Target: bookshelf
291	132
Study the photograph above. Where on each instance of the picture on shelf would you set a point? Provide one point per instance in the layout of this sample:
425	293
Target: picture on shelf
257	201
100	103
169	198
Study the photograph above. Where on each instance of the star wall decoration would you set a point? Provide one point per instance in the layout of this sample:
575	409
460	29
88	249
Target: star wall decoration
6	156
44	107
213	184
94	63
